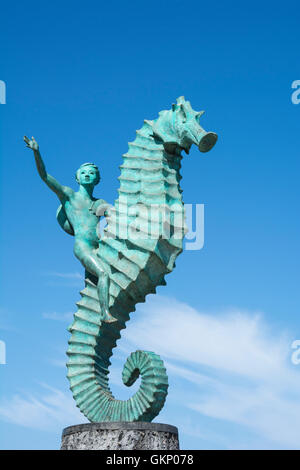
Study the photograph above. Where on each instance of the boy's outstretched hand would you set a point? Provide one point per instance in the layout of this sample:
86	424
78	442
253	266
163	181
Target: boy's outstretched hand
31	144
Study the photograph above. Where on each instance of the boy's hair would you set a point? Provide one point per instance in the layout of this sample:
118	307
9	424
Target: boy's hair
89	164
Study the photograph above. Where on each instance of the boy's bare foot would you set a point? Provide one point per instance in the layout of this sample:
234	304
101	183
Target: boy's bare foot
107	317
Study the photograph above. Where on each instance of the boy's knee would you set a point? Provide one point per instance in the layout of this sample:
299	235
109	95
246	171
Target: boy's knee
78	249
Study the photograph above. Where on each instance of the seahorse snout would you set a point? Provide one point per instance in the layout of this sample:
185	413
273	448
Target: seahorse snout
207	141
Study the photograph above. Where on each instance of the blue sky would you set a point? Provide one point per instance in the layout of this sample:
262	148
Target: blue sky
81	78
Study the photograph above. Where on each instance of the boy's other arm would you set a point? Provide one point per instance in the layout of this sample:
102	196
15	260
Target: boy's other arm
101	207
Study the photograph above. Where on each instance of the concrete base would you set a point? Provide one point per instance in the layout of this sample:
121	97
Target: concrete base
120	436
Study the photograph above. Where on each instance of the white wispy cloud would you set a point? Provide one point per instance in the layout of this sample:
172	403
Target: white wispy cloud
74	275
73	279
64	317
233	341
58	362
48	410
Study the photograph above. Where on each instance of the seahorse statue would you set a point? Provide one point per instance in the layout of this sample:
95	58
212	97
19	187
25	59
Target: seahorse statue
139	246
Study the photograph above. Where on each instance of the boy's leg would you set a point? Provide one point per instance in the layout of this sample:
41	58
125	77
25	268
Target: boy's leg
92	264
103	294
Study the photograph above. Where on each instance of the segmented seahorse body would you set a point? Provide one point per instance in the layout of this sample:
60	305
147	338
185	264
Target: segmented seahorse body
137	264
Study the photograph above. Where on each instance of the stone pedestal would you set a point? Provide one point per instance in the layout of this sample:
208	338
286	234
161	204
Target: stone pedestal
120	436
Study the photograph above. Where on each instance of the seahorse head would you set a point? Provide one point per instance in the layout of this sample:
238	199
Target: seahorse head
180	127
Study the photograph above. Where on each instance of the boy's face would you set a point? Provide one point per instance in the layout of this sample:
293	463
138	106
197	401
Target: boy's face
87	175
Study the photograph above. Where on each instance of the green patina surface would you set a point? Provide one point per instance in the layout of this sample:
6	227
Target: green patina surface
128	261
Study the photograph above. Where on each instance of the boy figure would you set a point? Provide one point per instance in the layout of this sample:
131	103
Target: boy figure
79	210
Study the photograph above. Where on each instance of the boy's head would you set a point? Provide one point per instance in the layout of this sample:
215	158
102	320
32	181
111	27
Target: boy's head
88	173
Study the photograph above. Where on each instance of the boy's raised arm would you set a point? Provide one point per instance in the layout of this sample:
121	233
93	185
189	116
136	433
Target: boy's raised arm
60	190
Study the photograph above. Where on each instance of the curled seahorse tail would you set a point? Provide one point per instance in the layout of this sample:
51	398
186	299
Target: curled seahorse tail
151	395
90	348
